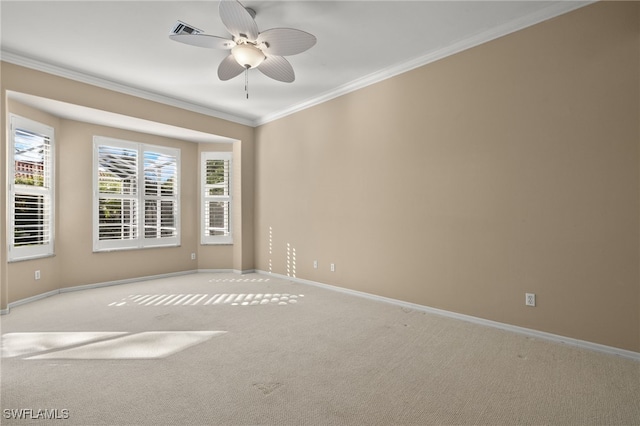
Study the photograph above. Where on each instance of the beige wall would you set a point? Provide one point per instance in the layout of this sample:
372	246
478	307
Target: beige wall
74	262
508	168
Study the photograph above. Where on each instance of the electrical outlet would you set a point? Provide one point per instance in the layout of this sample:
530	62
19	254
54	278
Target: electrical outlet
193	256
37	274
530	299
315	264
333	267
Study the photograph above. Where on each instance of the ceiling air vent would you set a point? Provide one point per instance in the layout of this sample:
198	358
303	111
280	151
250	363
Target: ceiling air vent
182	28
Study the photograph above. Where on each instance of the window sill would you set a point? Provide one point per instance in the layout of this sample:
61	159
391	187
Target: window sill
27	258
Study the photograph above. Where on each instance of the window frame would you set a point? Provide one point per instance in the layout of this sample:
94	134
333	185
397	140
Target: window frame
206	239
139	198
47	191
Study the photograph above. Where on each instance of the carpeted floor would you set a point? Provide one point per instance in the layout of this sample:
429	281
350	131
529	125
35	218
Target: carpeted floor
225	349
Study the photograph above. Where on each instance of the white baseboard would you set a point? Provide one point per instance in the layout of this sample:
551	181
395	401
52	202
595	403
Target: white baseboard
30	299
117	282
90	286
489	323
227	271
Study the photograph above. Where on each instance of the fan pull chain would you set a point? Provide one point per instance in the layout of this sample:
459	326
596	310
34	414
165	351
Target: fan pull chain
246	81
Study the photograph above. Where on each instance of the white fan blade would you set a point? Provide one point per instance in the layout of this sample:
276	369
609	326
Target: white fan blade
277	68
229	68
204	40
238	20
285	41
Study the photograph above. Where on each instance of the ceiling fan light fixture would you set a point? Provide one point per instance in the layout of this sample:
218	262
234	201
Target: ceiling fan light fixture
247	55
249	47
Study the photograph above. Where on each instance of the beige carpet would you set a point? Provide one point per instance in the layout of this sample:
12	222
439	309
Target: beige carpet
225	349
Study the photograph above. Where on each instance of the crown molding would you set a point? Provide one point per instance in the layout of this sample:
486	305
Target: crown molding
35	64
552	11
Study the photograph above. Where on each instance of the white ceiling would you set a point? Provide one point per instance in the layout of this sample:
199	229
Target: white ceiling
124	46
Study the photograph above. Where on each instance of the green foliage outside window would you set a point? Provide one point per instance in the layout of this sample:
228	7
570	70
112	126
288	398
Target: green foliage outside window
36	180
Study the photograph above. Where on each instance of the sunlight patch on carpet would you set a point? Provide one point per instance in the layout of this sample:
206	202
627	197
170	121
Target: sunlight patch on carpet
239	280
233	299
18	344
102	345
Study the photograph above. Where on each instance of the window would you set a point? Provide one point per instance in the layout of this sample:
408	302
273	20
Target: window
136	201
31	196
216	200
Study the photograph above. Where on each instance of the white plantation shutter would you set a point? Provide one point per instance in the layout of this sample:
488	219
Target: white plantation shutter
160	194
31	224
216	201
117	201
136	195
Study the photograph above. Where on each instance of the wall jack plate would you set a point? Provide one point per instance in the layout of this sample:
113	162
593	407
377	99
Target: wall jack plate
530	299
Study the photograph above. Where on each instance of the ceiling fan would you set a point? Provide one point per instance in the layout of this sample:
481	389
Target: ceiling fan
249	47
